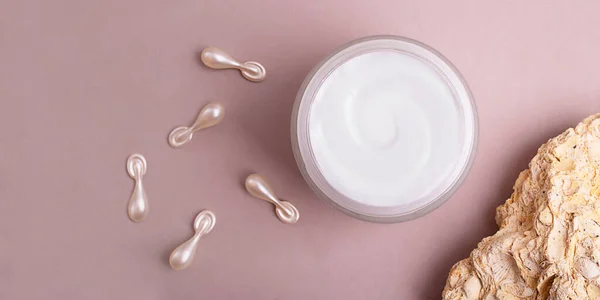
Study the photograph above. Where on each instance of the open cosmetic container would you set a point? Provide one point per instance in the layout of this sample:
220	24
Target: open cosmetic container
384	129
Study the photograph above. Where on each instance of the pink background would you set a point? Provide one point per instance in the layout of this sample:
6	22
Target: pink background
83	84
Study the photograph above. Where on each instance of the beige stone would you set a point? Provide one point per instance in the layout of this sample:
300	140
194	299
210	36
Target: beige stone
548	242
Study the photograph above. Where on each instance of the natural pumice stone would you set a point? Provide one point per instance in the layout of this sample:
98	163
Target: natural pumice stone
548	244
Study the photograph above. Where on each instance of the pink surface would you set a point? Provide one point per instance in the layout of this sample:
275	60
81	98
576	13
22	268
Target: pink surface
84	84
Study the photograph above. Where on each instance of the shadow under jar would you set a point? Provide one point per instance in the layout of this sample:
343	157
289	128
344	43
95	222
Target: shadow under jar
384	129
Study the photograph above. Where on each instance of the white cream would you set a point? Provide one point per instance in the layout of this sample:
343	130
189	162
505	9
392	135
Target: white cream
385	129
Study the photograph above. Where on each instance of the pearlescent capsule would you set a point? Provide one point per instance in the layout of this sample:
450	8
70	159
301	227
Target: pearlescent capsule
216	58
210	115
260	188
183	255
138	202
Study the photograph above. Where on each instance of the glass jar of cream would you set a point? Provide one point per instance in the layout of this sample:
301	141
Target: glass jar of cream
384	129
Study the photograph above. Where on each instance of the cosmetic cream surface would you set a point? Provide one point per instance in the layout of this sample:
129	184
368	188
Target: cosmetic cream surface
385	129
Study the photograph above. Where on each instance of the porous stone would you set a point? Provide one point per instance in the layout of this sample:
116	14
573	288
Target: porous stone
548	242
